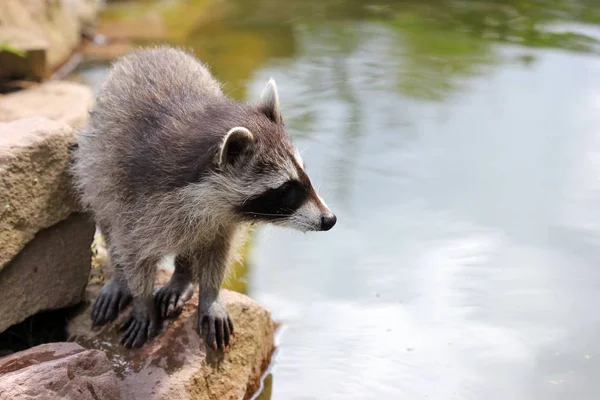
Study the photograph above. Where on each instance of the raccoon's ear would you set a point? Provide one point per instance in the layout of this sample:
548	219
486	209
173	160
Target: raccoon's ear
269	102
236	141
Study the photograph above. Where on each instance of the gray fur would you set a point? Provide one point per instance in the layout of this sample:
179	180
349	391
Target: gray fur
156	167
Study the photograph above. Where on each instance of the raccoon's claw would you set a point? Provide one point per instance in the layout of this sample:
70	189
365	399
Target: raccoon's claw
140	327
113	298
215	326
137	332
170	299
217	332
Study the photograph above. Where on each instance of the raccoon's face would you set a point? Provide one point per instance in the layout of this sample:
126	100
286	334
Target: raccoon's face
287	197
270	174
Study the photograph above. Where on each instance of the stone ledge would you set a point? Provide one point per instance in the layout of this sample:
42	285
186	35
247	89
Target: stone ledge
57	371
52	28
51	272
35	186
176	365
60	101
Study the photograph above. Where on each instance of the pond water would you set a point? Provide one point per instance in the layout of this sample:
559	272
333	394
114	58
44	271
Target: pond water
459	144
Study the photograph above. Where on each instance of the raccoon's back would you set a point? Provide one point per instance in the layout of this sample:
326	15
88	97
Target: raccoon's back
127	147
159	78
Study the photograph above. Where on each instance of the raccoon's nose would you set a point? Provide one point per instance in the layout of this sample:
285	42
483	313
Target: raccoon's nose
328	221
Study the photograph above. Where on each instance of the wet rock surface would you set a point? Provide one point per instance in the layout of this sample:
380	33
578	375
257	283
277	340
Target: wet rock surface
58	371
176	364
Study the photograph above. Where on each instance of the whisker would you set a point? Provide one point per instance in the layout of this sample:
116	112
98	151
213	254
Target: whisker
303	150
269	215
302	223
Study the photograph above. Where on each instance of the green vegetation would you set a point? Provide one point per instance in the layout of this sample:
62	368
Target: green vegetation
4	47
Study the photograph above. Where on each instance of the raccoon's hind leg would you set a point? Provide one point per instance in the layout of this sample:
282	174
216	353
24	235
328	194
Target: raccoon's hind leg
114	295
169	299
142	325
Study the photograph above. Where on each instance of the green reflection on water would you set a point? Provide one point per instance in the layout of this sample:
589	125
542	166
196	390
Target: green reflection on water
435	41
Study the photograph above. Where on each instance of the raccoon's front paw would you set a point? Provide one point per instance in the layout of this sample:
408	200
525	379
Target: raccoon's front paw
113	297
214	324
169	299
141	326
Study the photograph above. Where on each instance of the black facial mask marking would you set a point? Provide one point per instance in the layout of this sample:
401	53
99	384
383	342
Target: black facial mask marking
276	203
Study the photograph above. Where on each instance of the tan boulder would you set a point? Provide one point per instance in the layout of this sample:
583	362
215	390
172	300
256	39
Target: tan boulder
35	186
50	273
51	28
176	364
30	61
44	246
66	102
86	11
57	371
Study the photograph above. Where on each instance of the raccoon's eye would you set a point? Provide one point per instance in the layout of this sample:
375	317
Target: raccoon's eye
277	202
285	187
290	194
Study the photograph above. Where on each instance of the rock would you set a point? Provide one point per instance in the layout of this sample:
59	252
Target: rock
51	272
35	186
51	27
66	102
176	364
37	221
57	371
31	61
86	12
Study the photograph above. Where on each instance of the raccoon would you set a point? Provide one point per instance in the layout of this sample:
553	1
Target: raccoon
170	166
